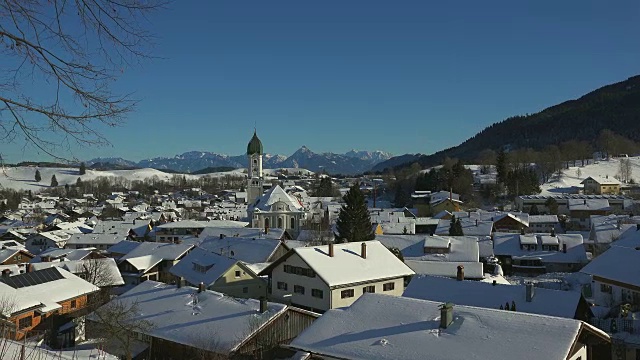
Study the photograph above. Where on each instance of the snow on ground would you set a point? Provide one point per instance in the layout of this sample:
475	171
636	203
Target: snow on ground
600	169
23	177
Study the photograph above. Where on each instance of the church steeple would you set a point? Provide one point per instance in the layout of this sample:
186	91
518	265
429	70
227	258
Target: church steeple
254	178
255	145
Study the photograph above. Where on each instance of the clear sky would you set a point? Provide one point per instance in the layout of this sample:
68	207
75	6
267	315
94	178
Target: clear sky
399	76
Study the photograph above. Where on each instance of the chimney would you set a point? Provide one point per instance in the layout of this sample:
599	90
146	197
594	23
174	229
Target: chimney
331	248
6	273
530	292
637	227
446	315
180	282
460	273
263	304
494	283
46	258
363	250
221	236
476	222
201	287
564	248
585	201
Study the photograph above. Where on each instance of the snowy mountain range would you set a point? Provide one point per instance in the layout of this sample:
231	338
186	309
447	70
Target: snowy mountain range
352	162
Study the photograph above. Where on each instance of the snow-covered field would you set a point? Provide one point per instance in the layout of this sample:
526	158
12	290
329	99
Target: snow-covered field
572	177
23	177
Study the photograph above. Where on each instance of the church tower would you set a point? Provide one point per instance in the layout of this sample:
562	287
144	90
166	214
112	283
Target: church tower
254	178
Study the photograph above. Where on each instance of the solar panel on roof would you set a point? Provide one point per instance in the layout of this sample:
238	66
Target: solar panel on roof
33	278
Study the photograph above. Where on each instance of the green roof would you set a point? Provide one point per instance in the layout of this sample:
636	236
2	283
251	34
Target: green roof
255	145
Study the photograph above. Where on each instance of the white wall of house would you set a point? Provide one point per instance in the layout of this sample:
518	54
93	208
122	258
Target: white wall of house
606	294
307	299
338	301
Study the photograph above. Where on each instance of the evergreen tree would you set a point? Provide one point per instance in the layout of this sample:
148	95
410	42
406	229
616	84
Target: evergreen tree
501	167
395	251
534	210
552	205
455	229
83	169
323	187
38	176
54	181
513	305
79	182
506	306
354	222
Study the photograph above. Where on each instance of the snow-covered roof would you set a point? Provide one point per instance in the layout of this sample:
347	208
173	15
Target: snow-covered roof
148	254
629	239
617	263
43	289
95	239
251	250
472	270
109	274
589	205
202	266
380	326
482	294
184	316
67	254
470	227
275	195
243	232
183	224
508	244
463	248
347	266
12	349
123	247
602	181
543	219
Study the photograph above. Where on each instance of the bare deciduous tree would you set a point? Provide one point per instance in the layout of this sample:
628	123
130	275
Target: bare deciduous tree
59	61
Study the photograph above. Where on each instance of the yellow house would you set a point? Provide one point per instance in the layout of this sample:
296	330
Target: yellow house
219	273
448	204
601	186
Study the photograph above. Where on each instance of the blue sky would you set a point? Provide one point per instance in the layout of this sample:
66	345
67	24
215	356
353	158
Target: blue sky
399	76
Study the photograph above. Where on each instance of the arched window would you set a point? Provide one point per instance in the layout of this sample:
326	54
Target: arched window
293	222
279	223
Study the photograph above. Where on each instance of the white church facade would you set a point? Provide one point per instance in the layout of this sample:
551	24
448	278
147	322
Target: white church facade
273	208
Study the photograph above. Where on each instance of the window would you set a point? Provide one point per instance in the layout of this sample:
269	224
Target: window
317	293
298	289
605	288
388	286
279	223
369	289
299	271
237	274
293	222
282	285
25	322
245	290
73	304
347	293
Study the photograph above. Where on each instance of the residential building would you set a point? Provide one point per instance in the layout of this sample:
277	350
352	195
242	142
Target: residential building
539	253
39	295
543	223
174	232
36	243
581	210
601	186
524	202
151	261
527	298
379	326
325	277
192	323
219	273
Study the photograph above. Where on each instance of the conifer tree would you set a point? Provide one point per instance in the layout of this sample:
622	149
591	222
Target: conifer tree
513	305
506	306
455	229
54	181
83	169
354	222
38	176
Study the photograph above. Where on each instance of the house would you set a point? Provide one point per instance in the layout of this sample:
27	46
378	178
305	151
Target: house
607	229
14	255
36	243
193	323
524	202
151	261
99	241
52	255
528	299
39	295
121	249
379	326
438	255
219	273
470	227
248	250
277	209
539	253
325	277
542	223
601	186
12	349
175	231
615	277
581	210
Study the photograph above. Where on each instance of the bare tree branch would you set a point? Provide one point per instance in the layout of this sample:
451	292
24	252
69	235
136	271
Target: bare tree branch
60	59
